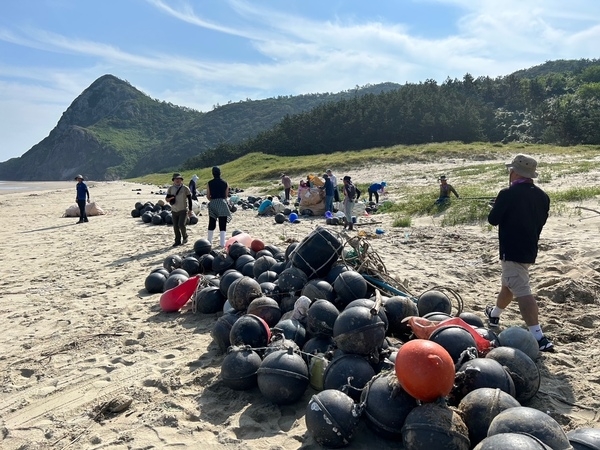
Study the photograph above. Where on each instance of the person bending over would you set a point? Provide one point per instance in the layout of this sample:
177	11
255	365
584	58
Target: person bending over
375	189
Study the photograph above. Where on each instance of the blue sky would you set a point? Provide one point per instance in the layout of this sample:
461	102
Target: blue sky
200	53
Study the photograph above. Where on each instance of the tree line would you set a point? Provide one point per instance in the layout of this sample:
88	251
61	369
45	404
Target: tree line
538	105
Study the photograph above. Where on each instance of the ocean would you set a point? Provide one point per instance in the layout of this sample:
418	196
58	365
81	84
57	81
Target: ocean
9	187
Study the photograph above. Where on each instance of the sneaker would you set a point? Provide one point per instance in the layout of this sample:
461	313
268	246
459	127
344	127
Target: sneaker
545	345
492	321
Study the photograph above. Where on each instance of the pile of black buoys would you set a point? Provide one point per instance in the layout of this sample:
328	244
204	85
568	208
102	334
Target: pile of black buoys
295	320
158	213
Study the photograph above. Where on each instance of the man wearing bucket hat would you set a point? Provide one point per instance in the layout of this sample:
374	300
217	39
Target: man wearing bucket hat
82	196
520	211
180	199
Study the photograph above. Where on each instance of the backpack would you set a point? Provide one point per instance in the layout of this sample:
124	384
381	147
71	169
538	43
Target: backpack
351	190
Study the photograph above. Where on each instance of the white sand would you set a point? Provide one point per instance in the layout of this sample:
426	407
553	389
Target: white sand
79	329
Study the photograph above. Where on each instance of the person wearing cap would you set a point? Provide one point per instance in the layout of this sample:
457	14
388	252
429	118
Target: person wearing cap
217	192
192	187
445	190
180	198
520	211
81	198
287	186
349	191
328	188
333	178
375	189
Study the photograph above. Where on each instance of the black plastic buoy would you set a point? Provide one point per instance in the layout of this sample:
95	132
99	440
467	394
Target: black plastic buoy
523	419
208	300
242	291
480	407
155	282
283	377
331	418
433	300
348	373
510	441
478	373
266	308
239	368
585	438
455	339
433	426
250	330
358	330
386	406
523	371
321	317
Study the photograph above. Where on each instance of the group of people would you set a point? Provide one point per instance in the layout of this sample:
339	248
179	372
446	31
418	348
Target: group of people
180	197
520	211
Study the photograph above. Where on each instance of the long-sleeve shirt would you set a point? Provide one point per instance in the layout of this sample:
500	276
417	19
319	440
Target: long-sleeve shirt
520	211
82	191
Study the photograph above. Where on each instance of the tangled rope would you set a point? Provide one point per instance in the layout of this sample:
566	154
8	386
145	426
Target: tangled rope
365	260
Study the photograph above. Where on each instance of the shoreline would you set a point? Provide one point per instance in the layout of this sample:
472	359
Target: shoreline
12	187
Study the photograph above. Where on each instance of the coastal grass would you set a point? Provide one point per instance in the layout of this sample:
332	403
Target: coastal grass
263	171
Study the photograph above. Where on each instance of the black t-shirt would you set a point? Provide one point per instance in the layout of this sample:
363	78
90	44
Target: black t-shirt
520	211
217	187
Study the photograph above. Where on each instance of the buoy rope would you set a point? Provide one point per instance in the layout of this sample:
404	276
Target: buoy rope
457	298
233	348
314	272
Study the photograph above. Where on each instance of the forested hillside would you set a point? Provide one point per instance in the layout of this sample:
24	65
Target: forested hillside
557	102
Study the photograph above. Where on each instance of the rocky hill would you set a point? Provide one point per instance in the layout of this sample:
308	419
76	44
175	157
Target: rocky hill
114	131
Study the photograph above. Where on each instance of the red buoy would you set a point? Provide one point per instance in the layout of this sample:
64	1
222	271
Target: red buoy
425	370
257	245
174	299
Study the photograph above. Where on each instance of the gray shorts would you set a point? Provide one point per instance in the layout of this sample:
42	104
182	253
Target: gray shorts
515	276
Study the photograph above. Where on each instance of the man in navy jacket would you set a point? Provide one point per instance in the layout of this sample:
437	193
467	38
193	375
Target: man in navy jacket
520	211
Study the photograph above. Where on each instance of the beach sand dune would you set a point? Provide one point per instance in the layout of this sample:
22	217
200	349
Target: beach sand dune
90	361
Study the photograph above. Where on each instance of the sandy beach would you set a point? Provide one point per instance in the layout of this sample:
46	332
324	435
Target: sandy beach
80	330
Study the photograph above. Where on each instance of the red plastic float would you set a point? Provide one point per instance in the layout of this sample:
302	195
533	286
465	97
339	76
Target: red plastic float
242	238
425	370
174	299
257	245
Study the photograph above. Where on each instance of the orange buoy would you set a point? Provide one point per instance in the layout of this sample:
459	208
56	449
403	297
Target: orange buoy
257	245
425	370
174	299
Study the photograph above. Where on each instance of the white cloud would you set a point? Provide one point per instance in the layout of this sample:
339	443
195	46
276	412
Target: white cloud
291	55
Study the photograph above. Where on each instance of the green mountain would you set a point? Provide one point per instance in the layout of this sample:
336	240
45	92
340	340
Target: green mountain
114	131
